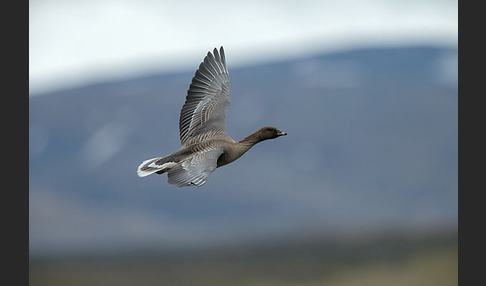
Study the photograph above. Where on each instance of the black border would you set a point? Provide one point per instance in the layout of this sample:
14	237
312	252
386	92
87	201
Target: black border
471	143
15	119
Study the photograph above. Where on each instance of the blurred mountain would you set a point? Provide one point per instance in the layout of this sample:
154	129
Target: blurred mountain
372	143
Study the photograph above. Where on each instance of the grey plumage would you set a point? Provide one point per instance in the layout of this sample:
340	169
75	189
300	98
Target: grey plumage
207	99
205	145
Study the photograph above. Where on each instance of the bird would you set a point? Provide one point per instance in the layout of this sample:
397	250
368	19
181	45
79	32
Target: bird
205	145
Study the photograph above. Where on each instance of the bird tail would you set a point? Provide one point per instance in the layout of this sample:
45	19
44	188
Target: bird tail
154	165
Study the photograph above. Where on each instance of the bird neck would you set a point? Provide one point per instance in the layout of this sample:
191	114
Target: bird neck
238	149
251	140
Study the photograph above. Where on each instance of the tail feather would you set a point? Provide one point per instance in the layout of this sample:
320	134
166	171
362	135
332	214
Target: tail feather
150	166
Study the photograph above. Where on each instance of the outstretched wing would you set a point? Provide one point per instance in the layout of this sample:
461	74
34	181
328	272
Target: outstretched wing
195	170
207	99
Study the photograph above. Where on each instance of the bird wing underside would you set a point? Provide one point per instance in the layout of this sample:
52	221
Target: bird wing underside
196	170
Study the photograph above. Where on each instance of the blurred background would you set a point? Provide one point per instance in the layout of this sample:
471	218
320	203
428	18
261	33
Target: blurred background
363	190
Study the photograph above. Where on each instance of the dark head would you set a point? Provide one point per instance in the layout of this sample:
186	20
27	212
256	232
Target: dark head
269	132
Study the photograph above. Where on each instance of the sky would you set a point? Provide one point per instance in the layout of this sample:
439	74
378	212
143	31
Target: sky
74	43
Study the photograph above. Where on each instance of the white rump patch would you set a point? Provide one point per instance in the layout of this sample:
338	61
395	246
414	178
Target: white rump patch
151	167
167	165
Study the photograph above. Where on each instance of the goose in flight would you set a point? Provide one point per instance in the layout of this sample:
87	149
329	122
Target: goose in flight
205	145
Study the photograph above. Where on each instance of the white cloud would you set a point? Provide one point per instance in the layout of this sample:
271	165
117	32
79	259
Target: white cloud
75	42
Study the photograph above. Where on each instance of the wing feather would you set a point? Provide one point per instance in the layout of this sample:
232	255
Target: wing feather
207	99
196	170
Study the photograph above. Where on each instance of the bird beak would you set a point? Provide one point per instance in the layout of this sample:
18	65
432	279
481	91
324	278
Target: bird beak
281	133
